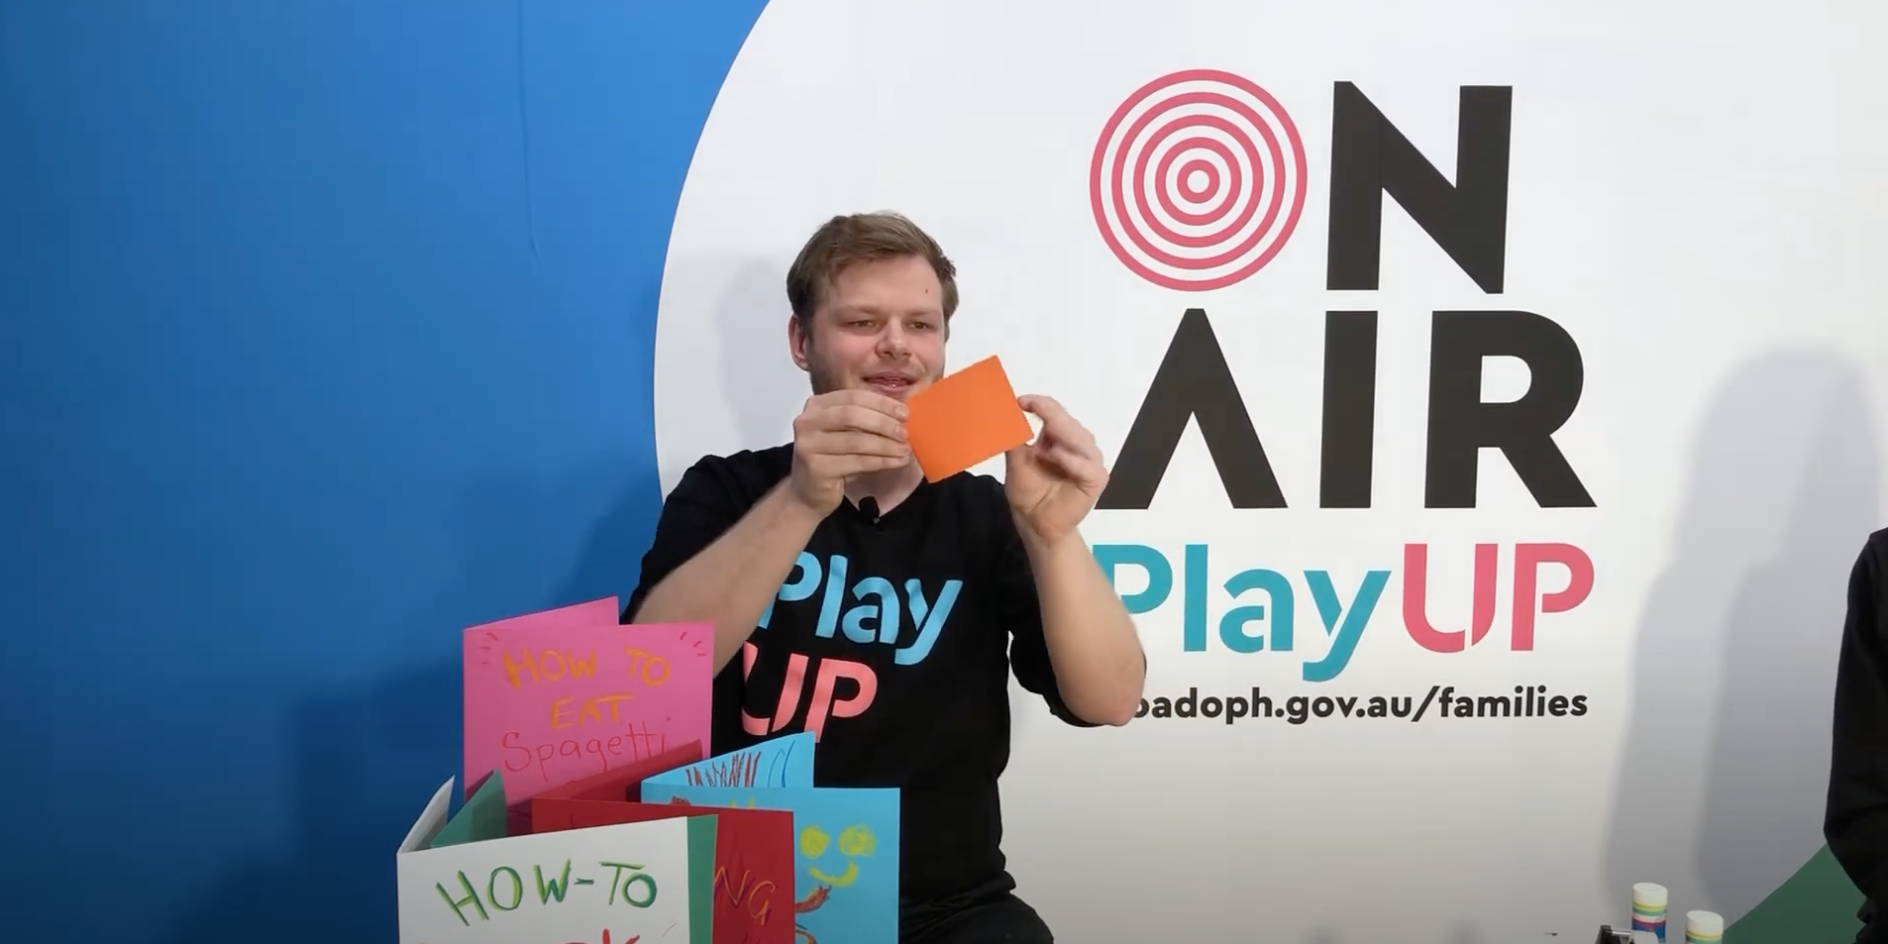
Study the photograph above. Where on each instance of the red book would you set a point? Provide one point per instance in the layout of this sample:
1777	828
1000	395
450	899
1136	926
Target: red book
623	783
753	886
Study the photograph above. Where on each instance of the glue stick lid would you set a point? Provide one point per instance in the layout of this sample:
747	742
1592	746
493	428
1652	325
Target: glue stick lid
1703	925
1649	895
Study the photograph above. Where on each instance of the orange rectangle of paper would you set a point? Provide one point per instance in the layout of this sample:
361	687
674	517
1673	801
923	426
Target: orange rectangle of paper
964	419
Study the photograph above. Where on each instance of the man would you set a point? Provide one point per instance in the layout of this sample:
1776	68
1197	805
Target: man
904	595
1856	823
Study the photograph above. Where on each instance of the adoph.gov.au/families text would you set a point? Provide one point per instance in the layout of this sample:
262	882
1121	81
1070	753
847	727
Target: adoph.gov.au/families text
1440	701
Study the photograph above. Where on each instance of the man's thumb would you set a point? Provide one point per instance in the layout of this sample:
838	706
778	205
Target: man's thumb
1013	459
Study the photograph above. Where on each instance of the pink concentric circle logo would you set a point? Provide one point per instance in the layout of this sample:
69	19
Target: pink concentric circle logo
1197	180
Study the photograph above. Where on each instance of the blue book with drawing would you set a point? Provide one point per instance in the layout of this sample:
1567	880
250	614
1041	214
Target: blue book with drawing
845	839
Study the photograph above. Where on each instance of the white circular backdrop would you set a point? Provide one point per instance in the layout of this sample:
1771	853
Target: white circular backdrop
1695	196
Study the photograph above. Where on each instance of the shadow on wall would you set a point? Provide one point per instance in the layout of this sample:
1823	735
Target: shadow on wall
1769	766
1720	794
763	387
367	758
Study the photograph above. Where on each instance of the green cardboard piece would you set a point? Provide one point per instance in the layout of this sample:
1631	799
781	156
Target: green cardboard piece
701	879
481	818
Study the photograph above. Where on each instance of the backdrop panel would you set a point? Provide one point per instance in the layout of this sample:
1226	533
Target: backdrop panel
328	332
1403	685
335	328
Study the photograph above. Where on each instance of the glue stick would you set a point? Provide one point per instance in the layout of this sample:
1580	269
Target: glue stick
1648	909
1703	927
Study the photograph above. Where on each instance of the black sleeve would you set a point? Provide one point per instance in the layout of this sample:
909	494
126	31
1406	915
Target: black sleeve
699	511
1856	823
1021	610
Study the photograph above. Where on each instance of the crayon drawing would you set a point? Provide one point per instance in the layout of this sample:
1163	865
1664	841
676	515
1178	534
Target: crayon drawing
845	853
780	762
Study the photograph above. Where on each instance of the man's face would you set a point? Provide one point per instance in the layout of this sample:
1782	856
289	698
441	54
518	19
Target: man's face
881	327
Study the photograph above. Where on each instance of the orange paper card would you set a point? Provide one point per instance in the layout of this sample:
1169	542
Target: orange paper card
964	419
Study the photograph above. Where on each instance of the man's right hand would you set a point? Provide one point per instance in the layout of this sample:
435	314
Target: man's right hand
842	434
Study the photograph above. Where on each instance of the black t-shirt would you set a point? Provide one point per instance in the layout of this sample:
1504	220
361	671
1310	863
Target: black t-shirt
893	639
1856	823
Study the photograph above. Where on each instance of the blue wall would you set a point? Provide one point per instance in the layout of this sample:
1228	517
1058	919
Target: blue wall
328	332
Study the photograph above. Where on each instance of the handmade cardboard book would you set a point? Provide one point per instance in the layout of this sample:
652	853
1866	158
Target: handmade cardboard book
612	884
845	840
567	694
753	867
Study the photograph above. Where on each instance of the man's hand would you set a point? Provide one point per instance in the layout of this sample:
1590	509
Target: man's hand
842	434
1053	482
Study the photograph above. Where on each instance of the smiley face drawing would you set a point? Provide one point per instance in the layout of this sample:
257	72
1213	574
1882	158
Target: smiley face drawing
854	843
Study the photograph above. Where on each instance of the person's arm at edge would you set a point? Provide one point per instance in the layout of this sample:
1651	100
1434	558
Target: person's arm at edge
1856	822
1100	668
735	577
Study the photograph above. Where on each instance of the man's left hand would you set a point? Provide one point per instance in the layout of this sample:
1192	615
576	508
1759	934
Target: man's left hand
1054	481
